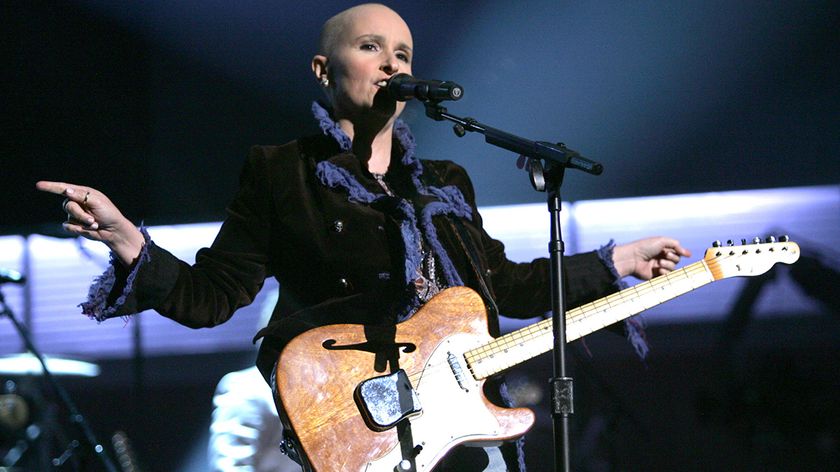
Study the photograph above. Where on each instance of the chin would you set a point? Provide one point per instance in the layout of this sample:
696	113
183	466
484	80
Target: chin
386	106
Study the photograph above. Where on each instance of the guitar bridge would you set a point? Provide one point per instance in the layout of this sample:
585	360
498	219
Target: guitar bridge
386	400
457	371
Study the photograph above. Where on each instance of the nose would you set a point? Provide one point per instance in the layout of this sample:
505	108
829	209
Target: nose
391	65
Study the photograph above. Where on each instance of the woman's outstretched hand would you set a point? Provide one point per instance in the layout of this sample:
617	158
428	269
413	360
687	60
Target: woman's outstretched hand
649	257
92	215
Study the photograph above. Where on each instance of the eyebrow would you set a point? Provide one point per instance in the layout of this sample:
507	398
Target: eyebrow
381	39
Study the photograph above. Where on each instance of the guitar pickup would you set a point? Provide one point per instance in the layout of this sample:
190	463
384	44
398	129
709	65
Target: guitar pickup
386	400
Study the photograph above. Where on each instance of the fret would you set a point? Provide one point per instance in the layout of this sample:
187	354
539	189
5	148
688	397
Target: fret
531	341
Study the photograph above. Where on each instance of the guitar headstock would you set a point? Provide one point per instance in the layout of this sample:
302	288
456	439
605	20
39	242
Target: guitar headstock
749	259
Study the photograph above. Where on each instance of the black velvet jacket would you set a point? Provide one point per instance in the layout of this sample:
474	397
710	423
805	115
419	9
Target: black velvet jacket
302	215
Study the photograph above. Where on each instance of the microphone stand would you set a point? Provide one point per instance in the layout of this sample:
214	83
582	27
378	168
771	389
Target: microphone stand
547	178
75	417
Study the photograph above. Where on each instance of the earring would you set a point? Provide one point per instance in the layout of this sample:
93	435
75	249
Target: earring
325	82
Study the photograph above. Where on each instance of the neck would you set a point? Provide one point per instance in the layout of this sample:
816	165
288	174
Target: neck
371	145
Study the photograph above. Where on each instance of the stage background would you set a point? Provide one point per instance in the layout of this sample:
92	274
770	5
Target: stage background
157	102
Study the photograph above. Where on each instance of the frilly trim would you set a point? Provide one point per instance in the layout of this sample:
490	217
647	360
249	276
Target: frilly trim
330	127
634	327
96	306
401	131
411	238
605	253
409	159
334	176
451	201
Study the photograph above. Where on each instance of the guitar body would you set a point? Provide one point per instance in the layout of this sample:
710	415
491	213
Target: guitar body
319	372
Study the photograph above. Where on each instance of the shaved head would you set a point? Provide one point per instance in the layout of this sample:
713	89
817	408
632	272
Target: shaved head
335	27
359	50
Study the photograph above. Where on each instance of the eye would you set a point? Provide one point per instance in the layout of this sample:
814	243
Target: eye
369	47
403	57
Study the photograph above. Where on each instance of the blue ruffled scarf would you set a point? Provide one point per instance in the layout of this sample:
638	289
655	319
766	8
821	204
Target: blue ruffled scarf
448	200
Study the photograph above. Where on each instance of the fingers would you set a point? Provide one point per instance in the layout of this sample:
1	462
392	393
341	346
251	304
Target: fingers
670	255
684	252
668	248
74	193
73	227
667	265
76	205
77	213
673	246
62	188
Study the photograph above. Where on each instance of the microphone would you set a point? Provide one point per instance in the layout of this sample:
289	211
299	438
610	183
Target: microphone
404	87
11	277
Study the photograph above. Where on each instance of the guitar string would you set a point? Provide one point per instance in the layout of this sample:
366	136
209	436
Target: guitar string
679	282
581	320
582	314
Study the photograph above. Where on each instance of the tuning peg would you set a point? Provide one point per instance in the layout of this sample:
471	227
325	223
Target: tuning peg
743	242
716	243
756	240
729	242
771	239
784	238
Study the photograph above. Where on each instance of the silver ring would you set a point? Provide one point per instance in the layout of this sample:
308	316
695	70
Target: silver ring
86	197
64	204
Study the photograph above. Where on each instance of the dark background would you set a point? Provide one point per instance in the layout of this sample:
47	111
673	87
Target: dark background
156	103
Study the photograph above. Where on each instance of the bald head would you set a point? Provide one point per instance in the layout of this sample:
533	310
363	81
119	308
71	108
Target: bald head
335	27
360	48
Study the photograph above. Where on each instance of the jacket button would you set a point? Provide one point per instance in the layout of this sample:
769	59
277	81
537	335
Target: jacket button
338	226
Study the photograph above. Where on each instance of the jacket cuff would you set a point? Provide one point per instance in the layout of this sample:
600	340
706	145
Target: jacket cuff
109	291
605	254
634	327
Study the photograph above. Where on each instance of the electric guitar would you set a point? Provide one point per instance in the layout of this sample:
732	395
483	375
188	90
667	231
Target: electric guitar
398	398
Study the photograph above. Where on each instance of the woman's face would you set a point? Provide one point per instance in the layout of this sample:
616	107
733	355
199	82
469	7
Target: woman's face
374	44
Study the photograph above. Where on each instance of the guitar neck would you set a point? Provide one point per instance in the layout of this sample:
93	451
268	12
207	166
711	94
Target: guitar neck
519	346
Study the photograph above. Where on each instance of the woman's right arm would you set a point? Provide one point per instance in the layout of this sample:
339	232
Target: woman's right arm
144	276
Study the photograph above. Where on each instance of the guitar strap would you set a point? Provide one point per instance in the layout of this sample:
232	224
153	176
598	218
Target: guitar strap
514	453
468	246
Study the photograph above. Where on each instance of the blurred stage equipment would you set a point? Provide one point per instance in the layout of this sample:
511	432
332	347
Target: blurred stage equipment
8	276
28	364
15	409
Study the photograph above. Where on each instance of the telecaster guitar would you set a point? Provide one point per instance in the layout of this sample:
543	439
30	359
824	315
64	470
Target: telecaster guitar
346	414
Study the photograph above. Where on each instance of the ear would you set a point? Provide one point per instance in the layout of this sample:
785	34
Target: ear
319	66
